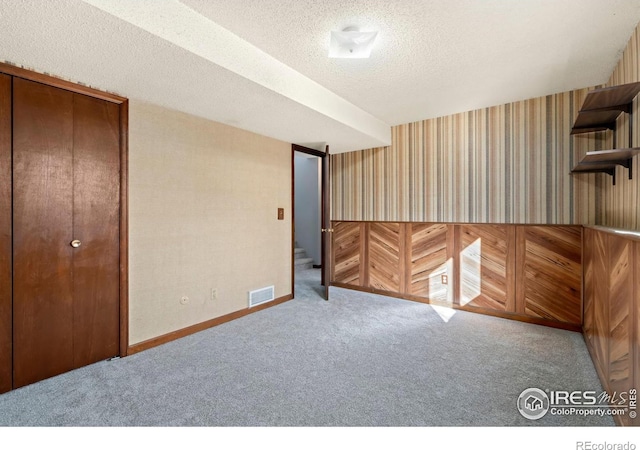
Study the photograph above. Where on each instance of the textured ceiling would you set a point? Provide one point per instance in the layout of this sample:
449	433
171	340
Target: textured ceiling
262	65
437	57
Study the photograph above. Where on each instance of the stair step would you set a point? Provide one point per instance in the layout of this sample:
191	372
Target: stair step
306	266
303	261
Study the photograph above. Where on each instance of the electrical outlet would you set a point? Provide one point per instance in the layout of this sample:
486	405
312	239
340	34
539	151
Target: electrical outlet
214	294
184	300
445	279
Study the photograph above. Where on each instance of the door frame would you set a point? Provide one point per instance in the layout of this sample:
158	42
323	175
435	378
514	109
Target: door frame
324	204
6	360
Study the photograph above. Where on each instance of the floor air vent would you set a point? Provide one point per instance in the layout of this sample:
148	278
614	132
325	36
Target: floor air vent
260	296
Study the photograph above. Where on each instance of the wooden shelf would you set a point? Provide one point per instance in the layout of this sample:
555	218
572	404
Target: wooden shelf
611	97
602	107
619	156
605	161
590	121
600	110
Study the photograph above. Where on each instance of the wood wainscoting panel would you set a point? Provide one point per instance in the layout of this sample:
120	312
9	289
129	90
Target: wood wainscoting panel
588	296
594	272
550	274
531	273
621	253
348	251
487	258
599	311
428	259
386	256
611	312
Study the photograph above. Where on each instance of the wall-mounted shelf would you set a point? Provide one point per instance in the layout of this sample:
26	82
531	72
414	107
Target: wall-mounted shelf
602	107
599	112
605	161
590	121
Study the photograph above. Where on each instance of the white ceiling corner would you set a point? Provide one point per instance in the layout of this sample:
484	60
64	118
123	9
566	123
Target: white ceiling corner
262	65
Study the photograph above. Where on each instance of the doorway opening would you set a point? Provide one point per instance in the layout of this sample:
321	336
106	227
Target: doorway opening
308	215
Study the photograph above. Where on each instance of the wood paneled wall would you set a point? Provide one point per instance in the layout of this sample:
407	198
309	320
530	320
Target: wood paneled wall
487	258
549	272
525	272
429	255
348	247
611	302
504	164
386	256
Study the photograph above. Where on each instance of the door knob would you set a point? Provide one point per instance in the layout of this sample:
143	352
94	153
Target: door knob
76	243
327	230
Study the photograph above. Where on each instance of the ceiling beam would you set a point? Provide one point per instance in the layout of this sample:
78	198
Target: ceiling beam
182	26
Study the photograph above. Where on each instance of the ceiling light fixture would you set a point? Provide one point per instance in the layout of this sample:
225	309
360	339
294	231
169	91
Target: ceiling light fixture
351	43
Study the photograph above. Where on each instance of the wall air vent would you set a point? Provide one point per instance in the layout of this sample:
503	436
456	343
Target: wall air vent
260	296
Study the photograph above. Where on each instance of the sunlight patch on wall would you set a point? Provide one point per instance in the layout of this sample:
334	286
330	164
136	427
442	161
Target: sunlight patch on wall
441	283
471	272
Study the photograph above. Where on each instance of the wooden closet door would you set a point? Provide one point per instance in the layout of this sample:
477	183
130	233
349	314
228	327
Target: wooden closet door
42	226
6	353
96	216
66	187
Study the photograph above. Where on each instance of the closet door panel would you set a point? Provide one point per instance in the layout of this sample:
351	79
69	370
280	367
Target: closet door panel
42	225
96	211
5	235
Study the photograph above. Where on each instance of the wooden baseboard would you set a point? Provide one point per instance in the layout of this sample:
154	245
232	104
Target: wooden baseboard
154	342
522	318
487	312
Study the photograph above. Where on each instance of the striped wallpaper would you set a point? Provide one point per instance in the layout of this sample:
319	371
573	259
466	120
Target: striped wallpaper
620	202
504	164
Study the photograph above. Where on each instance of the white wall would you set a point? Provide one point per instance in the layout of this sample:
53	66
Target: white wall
203	200
307	203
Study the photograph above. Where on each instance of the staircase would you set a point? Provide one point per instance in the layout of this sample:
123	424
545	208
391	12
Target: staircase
302	261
